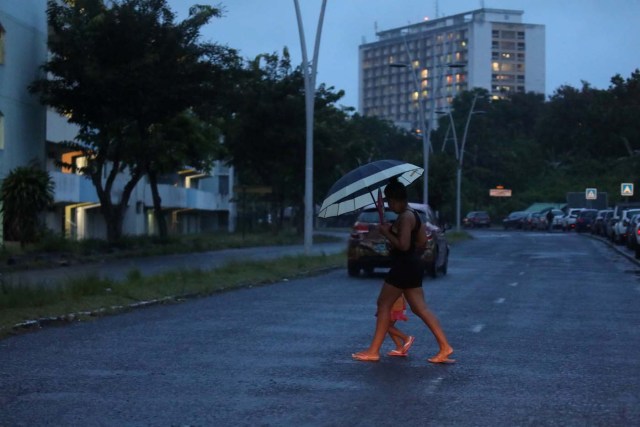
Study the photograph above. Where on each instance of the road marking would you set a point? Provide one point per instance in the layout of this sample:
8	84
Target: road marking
433	385
514	284
522	273
477	328
500	300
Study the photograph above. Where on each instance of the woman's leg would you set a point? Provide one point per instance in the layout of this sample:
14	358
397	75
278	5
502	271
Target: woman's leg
415	298
388	295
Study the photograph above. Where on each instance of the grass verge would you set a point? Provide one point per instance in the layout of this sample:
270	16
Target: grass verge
80	299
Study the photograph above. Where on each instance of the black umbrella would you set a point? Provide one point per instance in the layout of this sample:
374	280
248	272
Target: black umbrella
356	189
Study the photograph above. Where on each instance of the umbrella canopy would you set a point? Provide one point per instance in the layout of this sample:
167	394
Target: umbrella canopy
356	189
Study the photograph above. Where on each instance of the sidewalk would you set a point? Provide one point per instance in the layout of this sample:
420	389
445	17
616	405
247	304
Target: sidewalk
118	269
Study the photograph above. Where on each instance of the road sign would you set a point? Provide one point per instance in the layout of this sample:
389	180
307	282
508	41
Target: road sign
499	192
591	194
626	189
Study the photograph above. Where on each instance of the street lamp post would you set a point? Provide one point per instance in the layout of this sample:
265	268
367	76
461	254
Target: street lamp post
461	159
309	97
424	132
459	152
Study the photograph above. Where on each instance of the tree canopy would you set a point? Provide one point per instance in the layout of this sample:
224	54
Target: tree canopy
123	70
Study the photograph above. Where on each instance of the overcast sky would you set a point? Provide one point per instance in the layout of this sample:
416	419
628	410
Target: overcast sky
586	40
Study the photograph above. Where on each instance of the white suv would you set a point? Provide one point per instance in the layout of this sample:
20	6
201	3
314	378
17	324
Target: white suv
569	220
620	228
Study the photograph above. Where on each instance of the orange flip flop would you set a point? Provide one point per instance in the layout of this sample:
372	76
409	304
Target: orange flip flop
365	357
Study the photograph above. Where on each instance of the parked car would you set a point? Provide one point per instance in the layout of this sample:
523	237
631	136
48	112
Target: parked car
368	249
631	231
600	223
636	234
514	220
585	219
476	219
535	221
620	227
569	220
556	219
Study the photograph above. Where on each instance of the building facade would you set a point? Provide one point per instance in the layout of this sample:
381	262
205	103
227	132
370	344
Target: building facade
193	201
431	61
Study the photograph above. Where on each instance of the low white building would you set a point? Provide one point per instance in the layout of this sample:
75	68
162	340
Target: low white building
193	201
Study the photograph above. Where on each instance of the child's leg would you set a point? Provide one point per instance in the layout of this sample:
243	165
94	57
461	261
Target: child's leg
396	335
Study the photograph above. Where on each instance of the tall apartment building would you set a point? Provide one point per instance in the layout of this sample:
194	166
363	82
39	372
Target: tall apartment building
432	61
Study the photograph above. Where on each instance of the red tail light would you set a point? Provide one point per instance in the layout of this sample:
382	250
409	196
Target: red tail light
359	229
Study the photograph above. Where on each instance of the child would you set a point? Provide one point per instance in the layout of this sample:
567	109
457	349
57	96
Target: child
403	341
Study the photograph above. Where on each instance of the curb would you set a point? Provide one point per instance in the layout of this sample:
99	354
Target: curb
65	319
618	248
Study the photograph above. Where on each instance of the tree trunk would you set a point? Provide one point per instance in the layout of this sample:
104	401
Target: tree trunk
157	205
113	214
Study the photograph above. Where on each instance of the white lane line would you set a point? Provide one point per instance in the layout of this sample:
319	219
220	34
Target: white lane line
521	273
477	328
499	300
434	384
514	284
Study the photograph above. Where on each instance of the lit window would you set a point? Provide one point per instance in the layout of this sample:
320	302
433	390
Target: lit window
424	74
495	66
414	96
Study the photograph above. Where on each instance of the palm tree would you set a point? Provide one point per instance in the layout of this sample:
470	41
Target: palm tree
25	192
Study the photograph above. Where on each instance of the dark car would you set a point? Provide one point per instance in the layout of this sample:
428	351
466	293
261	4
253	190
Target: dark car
599	225
476	219
585	219
514	220
535	221
368	249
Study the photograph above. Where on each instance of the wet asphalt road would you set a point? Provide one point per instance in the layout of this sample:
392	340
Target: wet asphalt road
546	328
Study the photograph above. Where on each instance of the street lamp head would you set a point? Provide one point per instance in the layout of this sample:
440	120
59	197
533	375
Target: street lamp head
398	65
441	112
456	65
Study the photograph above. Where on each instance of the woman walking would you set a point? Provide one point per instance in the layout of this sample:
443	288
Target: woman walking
404	277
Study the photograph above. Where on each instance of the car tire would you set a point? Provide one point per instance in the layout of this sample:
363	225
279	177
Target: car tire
637	252
431	269
445	265
353	269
